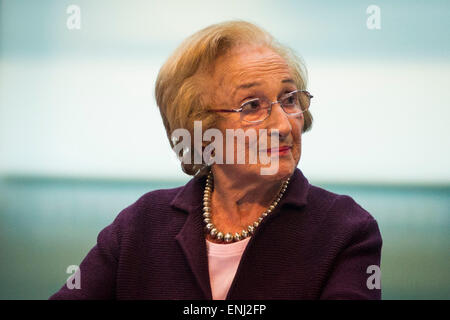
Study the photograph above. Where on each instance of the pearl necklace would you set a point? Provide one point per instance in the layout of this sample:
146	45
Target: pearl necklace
228	237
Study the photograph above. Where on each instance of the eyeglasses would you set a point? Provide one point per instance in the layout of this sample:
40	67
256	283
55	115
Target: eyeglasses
258	109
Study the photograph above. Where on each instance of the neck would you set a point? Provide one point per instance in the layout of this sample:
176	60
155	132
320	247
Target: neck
238	201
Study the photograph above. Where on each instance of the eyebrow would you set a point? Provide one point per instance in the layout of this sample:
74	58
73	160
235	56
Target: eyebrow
288	81
252	84
248	85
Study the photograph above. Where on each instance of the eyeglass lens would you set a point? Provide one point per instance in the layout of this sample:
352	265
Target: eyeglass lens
257	109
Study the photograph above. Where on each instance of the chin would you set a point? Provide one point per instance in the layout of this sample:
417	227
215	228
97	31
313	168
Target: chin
283	171
286	170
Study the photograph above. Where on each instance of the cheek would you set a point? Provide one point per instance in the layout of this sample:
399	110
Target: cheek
297	127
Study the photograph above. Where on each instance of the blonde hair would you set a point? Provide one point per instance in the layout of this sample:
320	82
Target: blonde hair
180	93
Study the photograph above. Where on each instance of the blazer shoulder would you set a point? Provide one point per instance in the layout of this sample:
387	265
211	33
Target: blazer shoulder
341	217
146	207
341	208
159	196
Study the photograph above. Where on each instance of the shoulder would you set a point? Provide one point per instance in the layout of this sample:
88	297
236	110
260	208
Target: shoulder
148	219
338	212
337	224
152	208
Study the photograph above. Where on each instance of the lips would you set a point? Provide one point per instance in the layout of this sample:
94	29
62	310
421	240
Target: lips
282	149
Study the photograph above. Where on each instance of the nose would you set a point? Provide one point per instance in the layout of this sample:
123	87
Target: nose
278	119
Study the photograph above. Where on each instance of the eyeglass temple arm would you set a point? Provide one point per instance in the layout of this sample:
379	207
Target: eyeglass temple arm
307	92
227	110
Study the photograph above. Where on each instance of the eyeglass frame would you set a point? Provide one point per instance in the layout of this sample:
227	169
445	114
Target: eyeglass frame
269	109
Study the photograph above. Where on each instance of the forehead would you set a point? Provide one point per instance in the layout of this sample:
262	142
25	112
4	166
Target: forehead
249	63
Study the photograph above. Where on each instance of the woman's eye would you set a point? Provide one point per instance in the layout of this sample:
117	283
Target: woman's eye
290	99
252	105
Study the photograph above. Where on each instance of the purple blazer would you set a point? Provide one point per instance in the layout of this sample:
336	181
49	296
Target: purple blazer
315	245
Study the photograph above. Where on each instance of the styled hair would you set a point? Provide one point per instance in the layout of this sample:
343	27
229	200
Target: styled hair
180	92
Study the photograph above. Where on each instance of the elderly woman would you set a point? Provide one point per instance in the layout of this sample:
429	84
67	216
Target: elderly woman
233	232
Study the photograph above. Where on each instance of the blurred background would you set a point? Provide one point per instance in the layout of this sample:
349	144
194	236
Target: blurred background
81	137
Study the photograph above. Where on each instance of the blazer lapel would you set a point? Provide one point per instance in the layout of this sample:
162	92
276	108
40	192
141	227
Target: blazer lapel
191	236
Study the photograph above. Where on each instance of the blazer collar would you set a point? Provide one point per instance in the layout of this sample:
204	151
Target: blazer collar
191	236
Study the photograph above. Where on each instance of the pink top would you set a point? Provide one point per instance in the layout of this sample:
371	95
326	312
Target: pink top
223	261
